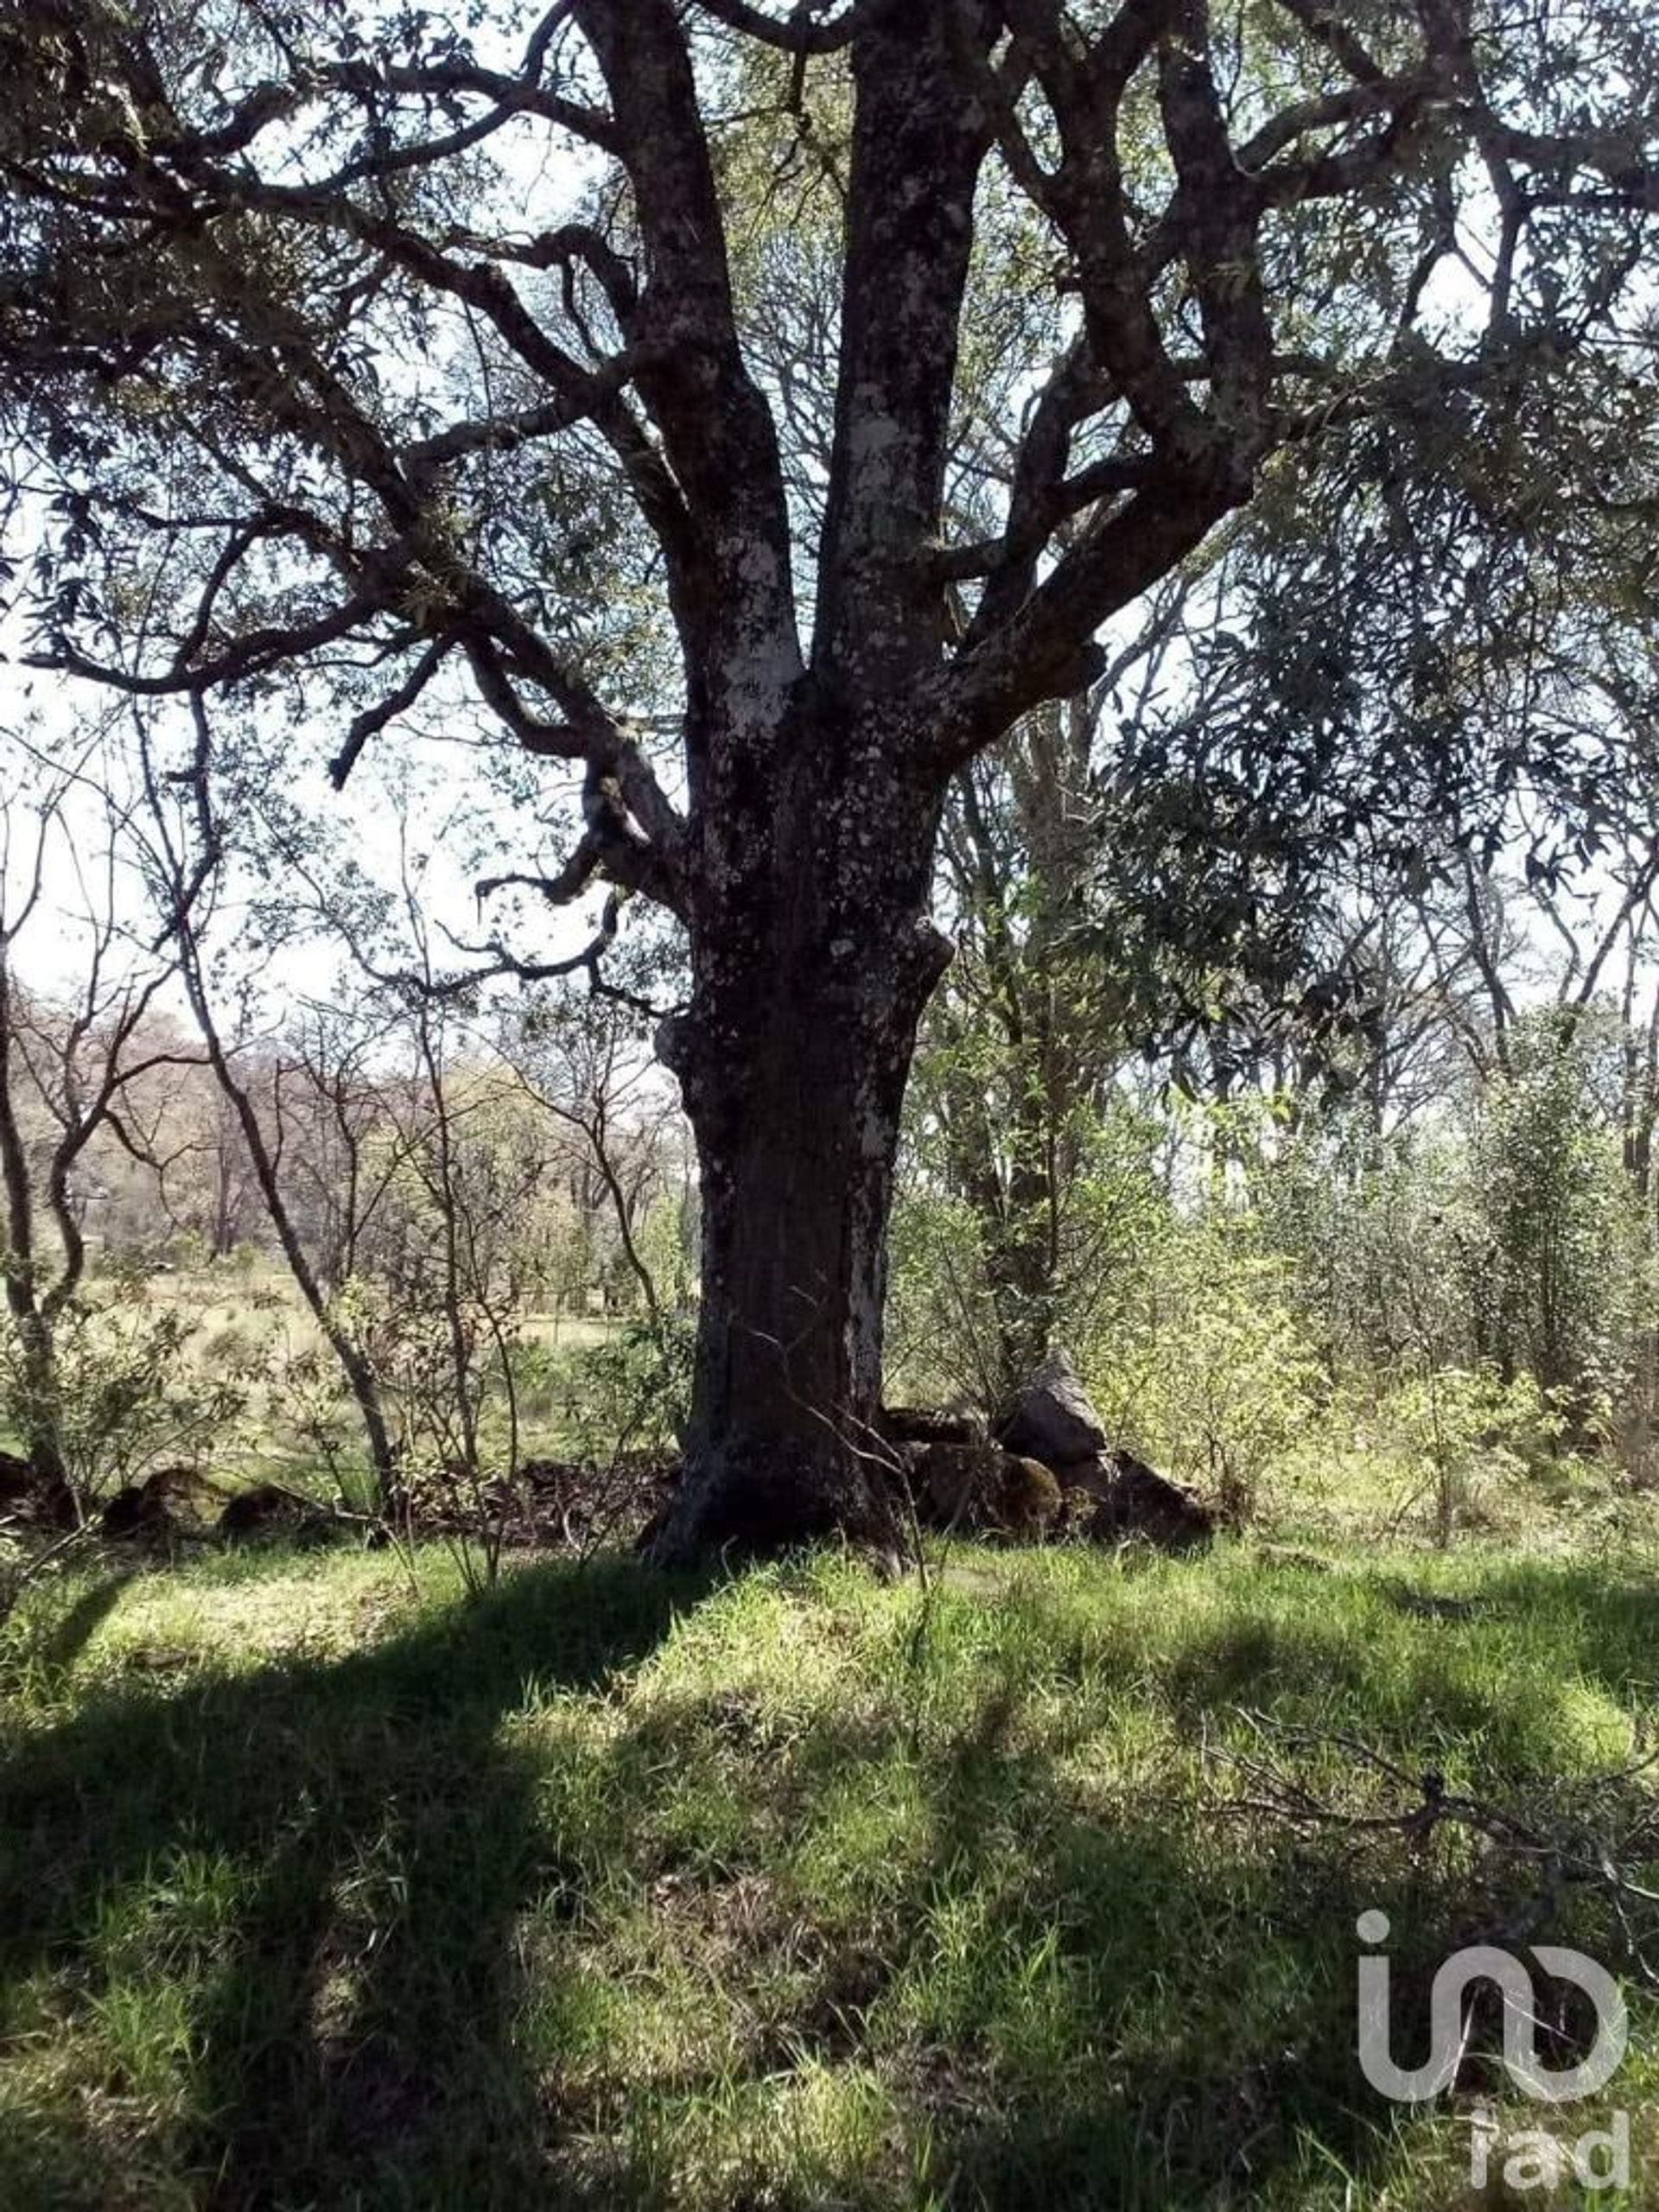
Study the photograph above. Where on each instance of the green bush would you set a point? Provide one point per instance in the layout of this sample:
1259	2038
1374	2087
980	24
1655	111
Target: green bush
631	1392
1564	1277
130	1393
1216	1378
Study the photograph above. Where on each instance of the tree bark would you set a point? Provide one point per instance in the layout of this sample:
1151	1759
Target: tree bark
810	979
816	811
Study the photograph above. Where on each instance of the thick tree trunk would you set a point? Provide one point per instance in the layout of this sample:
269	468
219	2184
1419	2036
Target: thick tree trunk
796	1140
810	981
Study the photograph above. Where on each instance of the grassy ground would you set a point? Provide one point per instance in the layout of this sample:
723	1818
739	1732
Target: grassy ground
802	1891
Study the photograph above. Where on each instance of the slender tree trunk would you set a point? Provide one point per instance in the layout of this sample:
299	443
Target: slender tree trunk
1022	1267
793	1060
360	1377
38	1413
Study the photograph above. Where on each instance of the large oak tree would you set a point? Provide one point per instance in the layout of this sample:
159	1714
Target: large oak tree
326	332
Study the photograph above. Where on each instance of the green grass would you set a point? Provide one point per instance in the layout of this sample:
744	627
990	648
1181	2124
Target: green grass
800	1890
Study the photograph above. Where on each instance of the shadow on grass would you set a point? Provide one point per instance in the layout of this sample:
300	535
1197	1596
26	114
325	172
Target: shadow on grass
1202	1987
349	1845
61	1643
1076	1986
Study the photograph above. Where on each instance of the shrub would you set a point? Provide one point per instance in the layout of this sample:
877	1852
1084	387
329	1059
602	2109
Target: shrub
130	1394
631	1392
1220	1378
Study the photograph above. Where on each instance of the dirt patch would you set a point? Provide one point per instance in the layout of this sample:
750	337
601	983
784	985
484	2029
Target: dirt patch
552	1505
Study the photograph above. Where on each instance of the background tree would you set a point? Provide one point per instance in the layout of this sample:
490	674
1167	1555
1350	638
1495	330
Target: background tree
70	1058
184	850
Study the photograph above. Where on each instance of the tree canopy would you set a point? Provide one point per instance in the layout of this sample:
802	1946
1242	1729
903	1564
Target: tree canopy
370	363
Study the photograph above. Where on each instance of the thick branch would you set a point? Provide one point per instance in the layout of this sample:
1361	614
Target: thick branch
919	138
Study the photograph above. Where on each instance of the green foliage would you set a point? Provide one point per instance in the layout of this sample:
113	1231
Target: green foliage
632	1391
131	1389
1564	1283
940	1321
978	1292
313	1412
667	1246
1467	1437
537	1373
1379	1235
1215	1377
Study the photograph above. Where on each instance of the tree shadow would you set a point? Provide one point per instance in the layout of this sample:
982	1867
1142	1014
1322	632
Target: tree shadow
1204	1970
1204	1992
1075	1991
1122	1995
353	1842
63	1637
